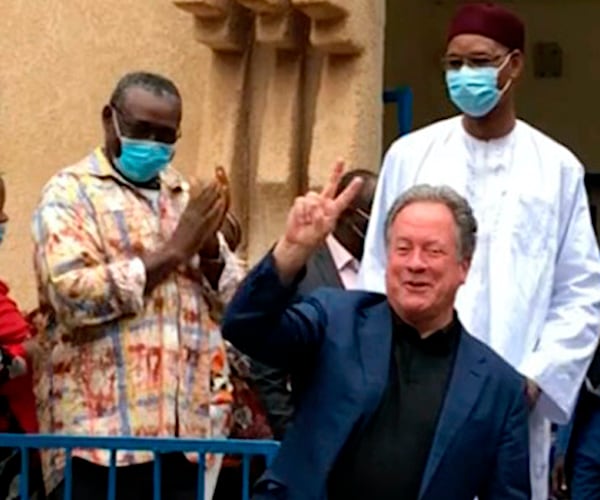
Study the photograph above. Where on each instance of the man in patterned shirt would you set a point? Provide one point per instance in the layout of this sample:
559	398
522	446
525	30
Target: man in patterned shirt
124	256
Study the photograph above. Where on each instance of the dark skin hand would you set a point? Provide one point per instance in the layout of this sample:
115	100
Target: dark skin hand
200	221
210	249
560	490
211	264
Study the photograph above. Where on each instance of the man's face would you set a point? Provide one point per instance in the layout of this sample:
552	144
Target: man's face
481	52
354	221
424	271
143	115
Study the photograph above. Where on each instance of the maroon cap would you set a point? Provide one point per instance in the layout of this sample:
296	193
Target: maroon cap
491	21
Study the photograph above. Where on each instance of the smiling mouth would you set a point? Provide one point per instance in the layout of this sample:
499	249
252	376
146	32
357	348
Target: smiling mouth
417	286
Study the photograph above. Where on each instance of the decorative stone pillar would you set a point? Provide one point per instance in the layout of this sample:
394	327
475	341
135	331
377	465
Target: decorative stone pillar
292	85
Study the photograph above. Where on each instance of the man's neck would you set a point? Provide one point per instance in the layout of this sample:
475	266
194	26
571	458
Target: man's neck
428	326
499	123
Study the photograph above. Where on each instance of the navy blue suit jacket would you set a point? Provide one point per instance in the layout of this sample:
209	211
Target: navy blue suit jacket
481	443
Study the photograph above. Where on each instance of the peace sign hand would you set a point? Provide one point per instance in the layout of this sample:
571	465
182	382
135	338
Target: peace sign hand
311	218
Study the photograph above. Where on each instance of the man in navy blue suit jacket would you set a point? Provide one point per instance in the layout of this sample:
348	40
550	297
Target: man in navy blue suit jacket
401	402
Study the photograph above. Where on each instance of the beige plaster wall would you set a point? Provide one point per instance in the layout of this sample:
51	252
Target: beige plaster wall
291	86
60	61
567	108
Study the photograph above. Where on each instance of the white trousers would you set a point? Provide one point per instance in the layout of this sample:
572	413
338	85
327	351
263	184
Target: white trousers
539	455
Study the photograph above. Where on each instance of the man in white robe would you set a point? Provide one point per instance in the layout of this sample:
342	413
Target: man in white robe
533	292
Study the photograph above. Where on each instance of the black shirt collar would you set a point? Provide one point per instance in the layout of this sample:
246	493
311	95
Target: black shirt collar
441	341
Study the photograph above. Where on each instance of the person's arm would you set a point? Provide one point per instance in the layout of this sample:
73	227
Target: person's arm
567	343
218	284
511	479
372	266
14	332
263	321
83	288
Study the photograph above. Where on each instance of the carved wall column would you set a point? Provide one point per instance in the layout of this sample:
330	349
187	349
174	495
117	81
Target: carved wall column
292	85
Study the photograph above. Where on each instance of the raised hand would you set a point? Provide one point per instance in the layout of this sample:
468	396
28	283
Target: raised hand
200	220
312	217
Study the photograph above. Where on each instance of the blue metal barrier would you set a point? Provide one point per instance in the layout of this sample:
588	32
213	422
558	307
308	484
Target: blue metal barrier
245	448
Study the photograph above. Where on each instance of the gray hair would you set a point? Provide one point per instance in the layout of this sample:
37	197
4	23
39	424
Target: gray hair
466	225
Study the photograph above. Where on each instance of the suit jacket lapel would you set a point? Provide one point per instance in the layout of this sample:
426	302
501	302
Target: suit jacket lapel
466	383
375	340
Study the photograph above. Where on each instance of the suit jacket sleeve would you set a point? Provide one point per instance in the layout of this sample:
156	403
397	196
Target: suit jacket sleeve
273	384
264	322
511	480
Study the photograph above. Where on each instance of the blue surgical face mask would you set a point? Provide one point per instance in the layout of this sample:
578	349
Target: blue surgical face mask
2	231
475	90
142	160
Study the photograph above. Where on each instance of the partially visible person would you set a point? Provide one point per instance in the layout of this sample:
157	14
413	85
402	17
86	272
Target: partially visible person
232	231
124	248
401	401
17	402
334	264
576	471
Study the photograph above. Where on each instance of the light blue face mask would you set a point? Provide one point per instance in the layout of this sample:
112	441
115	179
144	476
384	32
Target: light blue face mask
475	90
2	231
142	160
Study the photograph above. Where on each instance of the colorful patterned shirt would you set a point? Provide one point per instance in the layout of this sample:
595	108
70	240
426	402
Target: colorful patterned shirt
119	362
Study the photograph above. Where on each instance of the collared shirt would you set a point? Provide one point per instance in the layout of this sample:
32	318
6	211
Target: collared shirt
120	362
386	459
345	263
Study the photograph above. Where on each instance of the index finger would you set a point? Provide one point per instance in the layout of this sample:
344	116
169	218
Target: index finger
334	179
347	195
221	176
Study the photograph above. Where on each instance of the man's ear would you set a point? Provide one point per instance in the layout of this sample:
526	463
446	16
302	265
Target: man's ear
106	114
112	142
465	265
516	64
